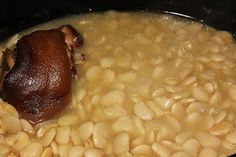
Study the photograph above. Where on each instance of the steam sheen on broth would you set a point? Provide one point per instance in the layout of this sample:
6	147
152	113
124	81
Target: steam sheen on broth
152	85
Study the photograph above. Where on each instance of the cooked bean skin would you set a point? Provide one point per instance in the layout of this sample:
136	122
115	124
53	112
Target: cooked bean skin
39	84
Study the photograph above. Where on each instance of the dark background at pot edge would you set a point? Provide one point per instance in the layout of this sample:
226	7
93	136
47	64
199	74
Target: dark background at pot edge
19	15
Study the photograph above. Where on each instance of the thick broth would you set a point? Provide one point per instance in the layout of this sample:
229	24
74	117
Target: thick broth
152	85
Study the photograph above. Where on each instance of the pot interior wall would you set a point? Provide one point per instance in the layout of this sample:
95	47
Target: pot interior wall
18	15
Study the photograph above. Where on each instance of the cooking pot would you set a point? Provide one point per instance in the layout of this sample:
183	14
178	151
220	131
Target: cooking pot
19	15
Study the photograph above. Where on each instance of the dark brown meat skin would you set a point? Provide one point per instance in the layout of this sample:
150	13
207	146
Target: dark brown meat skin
39	84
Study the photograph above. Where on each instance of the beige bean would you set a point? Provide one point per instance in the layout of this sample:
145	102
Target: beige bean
54	148
220	117
209	87
203	59
212	47
174	123
158	72
127	77
230	117
191	146
95	99
178	62
221	128
217	39
142	111
208	140
231	137
85	130
141	39
138	126
123	124
11	124
171	145
143	87
22	140
114	111
142	150
178	109
121	143
123	61
108	149
136	65
136	98
26	126
187	100
180	154
76	151
63	135
165	132
187	45
232	93
180	95
48	137
137	141
93	72
40	132
227	145
164	102
75	138
194	118
80	94
33	150
108	76
113	97
208	152
10	139
158	112
107	62
159	92
215	98
171	81
2	131
7	109
93	153
43	127
217	57
200	94
196	107
68	119
101	135
185	72
172	89
63	150
159	38
207	122
47	152
190	80
160	150
151	137
3	150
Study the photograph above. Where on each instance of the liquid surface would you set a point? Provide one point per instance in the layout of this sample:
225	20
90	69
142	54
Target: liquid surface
152	85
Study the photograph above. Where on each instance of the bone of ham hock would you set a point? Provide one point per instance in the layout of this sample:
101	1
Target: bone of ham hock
39	83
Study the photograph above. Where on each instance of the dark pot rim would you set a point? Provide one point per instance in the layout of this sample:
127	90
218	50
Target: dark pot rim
16	16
